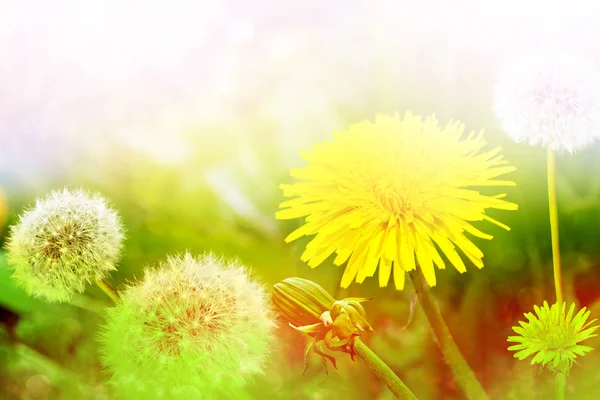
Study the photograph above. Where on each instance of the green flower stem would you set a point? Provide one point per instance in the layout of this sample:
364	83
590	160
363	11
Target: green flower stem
554	225
460	368
560	383
383	372
110	292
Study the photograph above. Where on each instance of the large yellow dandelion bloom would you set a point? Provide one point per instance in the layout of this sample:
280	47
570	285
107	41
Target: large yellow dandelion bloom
393	193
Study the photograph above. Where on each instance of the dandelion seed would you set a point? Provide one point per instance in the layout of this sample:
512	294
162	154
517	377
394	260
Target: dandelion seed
550	100
387	193
187	321
68	240
552	336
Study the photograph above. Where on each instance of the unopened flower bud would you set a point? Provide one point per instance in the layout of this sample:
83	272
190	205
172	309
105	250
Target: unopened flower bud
301	301
332	324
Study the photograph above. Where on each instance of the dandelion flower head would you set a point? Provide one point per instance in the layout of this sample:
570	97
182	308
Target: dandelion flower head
553	336
386	193
550	100
68	240
196	322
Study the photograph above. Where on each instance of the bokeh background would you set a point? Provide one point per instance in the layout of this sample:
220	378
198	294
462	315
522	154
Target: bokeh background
188	115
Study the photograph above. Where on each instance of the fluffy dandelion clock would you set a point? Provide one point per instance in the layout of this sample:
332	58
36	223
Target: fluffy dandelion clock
392	193
552	336
200	323
68	240
550	100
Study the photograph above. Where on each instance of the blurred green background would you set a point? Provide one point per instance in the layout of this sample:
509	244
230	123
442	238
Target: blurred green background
189	130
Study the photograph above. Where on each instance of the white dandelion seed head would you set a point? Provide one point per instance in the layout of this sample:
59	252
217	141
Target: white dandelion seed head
68	240
186	323
550	100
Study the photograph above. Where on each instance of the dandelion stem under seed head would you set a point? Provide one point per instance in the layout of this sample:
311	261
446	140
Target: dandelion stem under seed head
553	207
108	290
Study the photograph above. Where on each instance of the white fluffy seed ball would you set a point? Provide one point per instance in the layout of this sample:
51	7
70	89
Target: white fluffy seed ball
68	240
200	322
550	100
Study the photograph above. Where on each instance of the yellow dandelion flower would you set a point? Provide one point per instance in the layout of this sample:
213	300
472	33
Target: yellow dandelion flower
392	194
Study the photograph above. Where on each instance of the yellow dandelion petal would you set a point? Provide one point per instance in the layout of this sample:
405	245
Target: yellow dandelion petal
355	262
424	257
391	241
394	195
407	248
342	256
399	277
448	249
500	224
385	270
476	232
374	253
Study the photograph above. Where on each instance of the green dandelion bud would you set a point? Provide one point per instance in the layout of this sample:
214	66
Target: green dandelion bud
331	324
68	240
552	336
301	301
199	323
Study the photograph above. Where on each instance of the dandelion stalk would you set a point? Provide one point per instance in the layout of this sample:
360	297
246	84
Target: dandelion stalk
110	292
560	378
560	383
554	224
383	372
460	368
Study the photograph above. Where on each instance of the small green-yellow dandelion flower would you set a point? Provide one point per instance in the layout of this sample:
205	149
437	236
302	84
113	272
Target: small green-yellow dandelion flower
552	335
392	194
68	240
196	322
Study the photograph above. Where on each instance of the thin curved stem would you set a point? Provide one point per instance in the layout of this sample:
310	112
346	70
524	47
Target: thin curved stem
554	225
383	372
463	373
110	292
